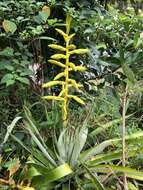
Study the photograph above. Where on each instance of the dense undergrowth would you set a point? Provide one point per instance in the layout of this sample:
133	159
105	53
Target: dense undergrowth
85	129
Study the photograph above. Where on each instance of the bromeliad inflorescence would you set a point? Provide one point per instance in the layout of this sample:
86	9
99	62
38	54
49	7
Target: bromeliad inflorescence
63	78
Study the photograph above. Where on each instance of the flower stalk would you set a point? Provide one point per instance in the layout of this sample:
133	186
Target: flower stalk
63	78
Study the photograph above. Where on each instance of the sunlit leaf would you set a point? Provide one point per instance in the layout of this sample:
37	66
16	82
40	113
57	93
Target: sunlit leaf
9	26
46	10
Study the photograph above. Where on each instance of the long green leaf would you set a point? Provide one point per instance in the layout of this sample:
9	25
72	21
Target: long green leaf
108	157
58	173
99	148
41	147
131	173
94	179
10	128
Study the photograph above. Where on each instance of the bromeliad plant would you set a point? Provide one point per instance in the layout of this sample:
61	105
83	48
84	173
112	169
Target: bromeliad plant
67	66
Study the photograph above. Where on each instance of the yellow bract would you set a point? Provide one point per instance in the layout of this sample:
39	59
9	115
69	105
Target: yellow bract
58	47
58	56
62	33
59	75
80	68
67	67
72	65
76	98
79	51
56	63
72	46
74	83
53	98
52	83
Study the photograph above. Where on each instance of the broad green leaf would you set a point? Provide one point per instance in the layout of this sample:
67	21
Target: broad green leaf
32	172
9	67
23	80
54	174
59	172
9	26
6	78
131	186
128	72
7	52
43	15
10	82
26	73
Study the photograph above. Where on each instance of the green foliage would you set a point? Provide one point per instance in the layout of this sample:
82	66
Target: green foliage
88	154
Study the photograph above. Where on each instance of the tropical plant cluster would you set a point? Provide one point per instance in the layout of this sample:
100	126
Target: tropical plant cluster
71	95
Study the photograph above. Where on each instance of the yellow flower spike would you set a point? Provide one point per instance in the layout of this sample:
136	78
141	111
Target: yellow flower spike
53	98
60	75
57	47
52	83
67	66
56	63
77	99
79	51
58	56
